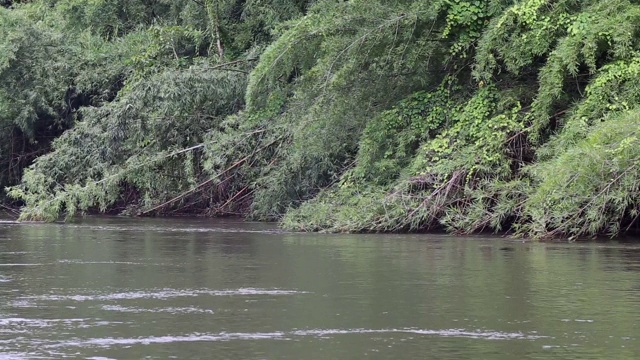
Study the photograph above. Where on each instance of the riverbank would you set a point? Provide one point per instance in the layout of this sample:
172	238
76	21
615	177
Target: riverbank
355	116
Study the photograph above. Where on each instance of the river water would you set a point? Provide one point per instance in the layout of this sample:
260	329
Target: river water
118	288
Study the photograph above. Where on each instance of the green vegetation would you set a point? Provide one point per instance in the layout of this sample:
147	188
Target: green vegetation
360	115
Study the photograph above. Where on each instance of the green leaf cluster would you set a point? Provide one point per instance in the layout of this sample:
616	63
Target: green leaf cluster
128	89
513	154
358	115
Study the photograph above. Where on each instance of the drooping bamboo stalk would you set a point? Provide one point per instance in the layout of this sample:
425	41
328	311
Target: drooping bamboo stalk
213	10
208	181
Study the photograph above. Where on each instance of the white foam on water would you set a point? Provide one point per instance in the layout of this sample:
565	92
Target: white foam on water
27	264
21	356
12	332
16	323
5	279
170	310
462	333
22	304
74	261
108	342
165	294
284	335
171	229
578	320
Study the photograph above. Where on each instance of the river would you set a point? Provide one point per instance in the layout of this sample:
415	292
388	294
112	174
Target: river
120	288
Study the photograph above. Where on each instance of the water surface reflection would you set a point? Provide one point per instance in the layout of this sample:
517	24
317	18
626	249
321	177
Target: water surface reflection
132	288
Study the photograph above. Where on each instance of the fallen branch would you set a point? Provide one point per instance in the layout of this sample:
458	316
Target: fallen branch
219	208
205	183
10	210
194	189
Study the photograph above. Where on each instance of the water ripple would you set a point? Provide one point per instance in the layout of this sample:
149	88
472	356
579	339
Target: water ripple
26	264
282	335
16	323
176	229
84	262
462	333
165	294
170	310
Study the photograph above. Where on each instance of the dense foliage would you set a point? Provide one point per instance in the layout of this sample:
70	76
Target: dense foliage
359	115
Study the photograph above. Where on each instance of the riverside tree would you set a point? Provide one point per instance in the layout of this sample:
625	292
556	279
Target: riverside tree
376	115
